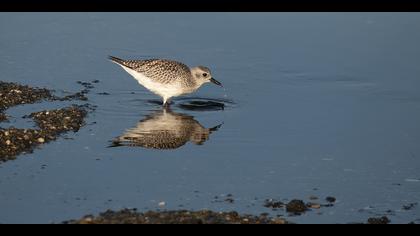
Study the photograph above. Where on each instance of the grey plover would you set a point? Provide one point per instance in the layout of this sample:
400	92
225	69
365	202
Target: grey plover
166	78
165	129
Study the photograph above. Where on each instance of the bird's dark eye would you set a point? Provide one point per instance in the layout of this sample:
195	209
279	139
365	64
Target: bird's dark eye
204	74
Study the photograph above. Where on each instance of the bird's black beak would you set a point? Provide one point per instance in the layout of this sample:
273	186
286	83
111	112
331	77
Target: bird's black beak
216	82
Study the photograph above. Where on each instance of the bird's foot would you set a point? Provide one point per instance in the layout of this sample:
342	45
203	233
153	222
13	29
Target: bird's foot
166	105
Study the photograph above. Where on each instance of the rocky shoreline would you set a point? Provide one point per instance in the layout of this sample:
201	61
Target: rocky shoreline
53	123
50	124
131	216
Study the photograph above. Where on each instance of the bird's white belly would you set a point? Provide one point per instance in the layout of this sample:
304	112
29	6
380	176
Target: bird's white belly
163	90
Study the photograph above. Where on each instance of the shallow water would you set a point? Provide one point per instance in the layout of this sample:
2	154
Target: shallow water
324	104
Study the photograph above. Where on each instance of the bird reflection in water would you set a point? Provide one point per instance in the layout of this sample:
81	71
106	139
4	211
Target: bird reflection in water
165	129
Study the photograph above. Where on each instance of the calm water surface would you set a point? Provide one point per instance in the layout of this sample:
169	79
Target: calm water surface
317	104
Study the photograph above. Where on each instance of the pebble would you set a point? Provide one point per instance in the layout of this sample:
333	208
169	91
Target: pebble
296	206
128	216
270	203
313	198
380	221
330	199
314	205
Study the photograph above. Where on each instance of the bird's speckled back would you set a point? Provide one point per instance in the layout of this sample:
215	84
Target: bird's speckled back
162	70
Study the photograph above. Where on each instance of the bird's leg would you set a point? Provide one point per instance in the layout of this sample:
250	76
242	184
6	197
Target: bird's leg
166	103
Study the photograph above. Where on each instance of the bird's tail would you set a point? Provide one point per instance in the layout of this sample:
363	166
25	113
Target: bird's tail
117	60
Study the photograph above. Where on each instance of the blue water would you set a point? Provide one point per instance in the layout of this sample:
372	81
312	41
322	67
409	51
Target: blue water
324	104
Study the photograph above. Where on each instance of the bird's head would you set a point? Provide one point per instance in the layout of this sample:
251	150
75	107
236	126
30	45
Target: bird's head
202	75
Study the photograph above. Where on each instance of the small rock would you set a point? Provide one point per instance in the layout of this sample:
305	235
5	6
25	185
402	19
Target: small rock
270	203
41	140
87	220
8	142
379	221
330	199
296	206
409	206
230	200
264	214
278	221
313	205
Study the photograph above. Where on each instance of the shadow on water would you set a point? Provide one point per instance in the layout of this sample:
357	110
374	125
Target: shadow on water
197	103
202	106
165	129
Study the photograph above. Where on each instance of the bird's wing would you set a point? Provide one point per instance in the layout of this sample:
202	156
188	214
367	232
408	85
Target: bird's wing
164	71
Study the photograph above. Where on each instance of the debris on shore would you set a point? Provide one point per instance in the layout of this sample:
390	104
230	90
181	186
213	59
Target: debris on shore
12	94
131	216
296	207
273	204
60	120
379	221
